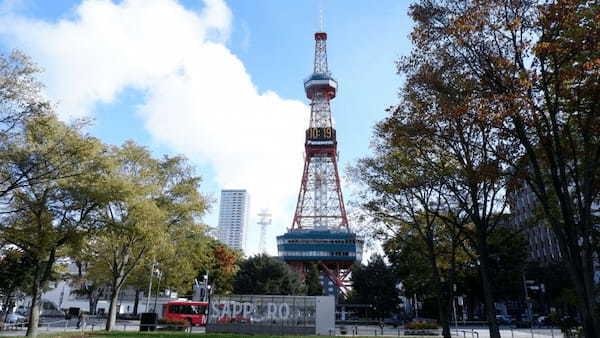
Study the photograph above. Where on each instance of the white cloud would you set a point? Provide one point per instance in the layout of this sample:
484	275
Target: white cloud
198	96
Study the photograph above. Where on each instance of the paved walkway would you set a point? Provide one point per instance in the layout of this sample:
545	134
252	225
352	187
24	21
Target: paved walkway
62	326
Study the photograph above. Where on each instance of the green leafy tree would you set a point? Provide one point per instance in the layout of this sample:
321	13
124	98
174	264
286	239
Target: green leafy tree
86	282
150	200
139	279
312	283
555	279
16	272
44	216
19	92
20	101
48	171
266	275
187	253
376	284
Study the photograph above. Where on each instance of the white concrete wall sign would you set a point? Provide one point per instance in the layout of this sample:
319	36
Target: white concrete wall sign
325	323
255	314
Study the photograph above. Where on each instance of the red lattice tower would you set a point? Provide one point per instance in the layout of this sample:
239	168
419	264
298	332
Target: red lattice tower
320	233
320	202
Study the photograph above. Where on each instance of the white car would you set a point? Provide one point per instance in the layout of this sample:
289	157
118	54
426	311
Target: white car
14	318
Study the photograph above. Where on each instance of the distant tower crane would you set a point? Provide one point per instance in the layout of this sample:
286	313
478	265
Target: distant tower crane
320	234
265	220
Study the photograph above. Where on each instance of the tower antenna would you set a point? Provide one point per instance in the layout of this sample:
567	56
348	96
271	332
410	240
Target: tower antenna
321	21
265	220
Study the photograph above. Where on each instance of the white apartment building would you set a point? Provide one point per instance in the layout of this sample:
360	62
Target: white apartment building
234	211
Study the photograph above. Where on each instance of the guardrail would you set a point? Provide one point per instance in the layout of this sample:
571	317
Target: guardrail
464	332
13	326
70	325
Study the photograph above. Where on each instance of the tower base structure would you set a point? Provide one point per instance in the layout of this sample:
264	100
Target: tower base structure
333	250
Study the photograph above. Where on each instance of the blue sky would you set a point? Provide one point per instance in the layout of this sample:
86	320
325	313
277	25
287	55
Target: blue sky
218	81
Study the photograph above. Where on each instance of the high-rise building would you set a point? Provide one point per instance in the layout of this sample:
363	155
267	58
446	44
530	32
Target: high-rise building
542	243
233	217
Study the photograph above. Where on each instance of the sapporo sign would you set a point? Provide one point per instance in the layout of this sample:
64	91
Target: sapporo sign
254	314
233	309
249	309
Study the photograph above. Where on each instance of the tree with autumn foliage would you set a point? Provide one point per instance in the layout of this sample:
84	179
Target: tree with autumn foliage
411	212
456	154
530	70
222	264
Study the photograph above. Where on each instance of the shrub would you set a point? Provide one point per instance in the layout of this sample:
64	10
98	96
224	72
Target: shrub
173	322
421	326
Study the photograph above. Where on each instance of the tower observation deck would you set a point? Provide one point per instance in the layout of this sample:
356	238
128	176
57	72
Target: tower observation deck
320	233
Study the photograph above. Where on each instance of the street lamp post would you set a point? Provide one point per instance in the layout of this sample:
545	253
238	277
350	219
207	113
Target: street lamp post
528	303
159	274
149	288
209	290
454	307
206	286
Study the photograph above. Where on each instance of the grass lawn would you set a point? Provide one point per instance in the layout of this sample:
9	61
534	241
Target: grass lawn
133	334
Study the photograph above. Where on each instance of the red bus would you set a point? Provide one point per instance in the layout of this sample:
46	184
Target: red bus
193	312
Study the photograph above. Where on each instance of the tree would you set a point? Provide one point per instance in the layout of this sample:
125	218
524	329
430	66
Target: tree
20	102
149	198
16	272
311	282
223	265
375	284
457	159
265	275
412	212
44	216
508	261
187	254
88	282
532	68
139	279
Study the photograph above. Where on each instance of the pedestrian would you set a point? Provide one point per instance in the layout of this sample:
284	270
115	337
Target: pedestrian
81	320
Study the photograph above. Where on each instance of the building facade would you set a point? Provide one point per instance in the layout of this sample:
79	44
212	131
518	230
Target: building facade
542	243
234	211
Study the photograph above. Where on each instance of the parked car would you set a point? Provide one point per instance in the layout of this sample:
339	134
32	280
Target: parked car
543	320
504	320
14	318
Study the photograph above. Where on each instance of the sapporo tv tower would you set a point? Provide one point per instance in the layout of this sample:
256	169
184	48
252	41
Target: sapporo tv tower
320	234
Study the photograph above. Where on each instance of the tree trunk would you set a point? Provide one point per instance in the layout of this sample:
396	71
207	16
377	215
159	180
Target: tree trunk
112	311
444	318
490	310
136	302
93	302
585	303
442	300
34	309
7	306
